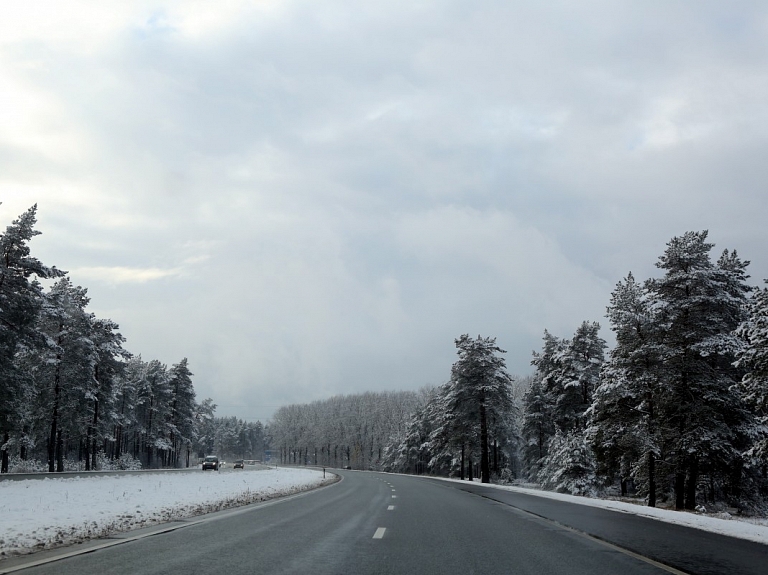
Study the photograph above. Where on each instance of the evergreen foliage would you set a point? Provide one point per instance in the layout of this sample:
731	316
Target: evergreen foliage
70	394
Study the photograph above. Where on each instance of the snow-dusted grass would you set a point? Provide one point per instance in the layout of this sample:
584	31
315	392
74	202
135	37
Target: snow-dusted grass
753	529
45	513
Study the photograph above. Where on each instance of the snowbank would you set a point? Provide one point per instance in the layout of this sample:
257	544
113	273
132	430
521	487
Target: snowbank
44	513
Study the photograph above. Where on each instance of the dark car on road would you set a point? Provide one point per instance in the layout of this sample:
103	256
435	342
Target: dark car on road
239	464
211	462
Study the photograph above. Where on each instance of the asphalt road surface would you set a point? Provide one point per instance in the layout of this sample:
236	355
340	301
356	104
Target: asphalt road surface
373	523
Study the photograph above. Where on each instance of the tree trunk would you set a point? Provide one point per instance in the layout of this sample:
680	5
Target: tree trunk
462	462
485	471
680	489
54	416
95	422
59	452
736	472
4	455
693	479
651	479
469	469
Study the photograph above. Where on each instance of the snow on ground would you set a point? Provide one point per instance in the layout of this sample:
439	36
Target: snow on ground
743	528
44	513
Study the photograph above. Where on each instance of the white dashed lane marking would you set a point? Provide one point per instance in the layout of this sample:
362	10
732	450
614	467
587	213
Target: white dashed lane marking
379	533
390	508
394	497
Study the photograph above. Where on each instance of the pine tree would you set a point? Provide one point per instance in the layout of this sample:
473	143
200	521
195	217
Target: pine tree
625	430
753	359
480	391
699	305
66	366
20	302
538	405
569	372
537	430
181	426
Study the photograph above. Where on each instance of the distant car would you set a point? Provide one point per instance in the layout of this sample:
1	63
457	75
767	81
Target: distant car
211	462
239	464
348	467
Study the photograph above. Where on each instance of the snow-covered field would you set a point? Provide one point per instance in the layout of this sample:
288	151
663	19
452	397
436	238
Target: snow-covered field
44	513
741	527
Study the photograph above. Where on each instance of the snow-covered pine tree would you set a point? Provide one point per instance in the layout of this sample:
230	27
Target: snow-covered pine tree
753	358
153	395
699	306
538	405
538	428
20	301
109	358
480	391
575	377
624	428
572	373
65	367
181	424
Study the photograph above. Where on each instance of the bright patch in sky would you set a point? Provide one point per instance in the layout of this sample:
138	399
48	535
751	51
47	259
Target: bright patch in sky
308	200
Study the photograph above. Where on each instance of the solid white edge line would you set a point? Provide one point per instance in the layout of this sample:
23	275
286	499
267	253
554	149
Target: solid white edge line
379	533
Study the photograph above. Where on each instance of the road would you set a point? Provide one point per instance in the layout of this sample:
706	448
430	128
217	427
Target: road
373	523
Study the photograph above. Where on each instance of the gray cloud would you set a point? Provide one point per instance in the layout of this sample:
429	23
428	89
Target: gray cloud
314	200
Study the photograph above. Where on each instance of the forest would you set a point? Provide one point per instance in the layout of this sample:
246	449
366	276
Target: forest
676	413
72	397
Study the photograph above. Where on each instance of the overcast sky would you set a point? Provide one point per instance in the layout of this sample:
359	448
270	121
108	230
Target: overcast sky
314	198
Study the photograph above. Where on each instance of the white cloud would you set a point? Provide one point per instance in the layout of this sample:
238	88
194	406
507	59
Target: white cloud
307	199
121	275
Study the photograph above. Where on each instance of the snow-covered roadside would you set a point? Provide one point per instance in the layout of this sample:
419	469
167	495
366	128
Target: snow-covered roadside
742	528
45	513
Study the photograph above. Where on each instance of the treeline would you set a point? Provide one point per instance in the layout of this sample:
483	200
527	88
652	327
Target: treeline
71	395
443	429
677	410
345	430
231	438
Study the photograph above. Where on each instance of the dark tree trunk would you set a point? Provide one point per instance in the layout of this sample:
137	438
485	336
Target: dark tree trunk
54	416
485	472
4	455
59	452
651	479
680	489
736	472
693	479
469	468
462	462
95	423
495	456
